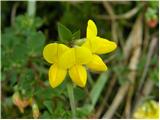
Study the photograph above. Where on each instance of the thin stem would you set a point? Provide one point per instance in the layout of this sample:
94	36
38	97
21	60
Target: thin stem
31	10
79	41
71	99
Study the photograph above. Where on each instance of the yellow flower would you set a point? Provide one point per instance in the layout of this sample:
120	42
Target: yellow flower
147	110
97	45
64	58
51	54
74	59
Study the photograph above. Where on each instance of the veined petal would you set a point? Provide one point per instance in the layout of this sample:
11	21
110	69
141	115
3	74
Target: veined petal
78	75
53	51
104	46
97	64
77	55
56	75
91	29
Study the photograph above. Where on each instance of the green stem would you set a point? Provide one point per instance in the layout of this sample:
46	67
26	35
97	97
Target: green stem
31	10
79	41
71	99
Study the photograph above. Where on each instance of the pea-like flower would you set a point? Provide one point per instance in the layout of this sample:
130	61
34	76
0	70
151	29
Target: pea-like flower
63	58
73	59
147	110
97	45
51	54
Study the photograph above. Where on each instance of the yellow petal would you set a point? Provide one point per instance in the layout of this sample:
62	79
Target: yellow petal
91	29
100	45
78	75
97	64
53	51
67	60
77	55
56	75
91	44
82	55
104	46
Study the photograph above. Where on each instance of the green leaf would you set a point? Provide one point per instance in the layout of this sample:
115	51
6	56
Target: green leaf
38	22
98	87
21	41
14	78
119	71
154	4
84	110
26	82
76	35
35	43
49	106
95	92
64	33
14	49
46	93
154	76
79	94
45	115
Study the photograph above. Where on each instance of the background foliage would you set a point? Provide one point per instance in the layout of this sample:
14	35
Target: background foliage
24	71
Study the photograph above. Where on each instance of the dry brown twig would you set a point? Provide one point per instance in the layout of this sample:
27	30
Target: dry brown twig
130	42
109	59
122	2
146	90
114	24
149	56
126	15
13	13
135	38
146	38
107	94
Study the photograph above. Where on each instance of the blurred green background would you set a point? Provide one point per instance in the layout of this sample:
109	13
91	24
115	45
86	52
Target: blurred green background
133	67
